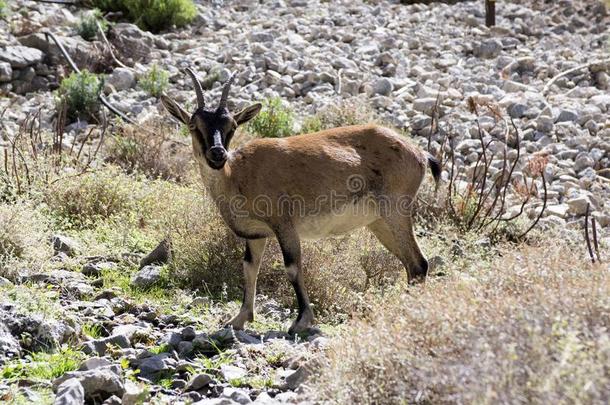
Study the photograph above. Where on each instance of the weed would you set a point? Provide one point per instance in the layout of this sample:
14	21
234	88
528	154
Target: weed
3	8
43	366
155	81
274	121
87	25
164	348
92	330
211	364
79	94
135	150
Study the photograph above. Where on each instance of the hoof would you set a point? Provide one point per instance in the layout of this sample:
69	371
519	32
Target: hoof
302	324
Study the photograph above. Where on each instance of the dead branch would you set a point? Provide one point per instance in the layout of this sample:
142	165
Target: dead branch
547	87
587	234
105	40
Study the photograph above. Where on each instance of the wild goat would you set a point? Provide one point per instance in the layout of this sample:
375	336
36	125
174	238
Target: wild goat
306	187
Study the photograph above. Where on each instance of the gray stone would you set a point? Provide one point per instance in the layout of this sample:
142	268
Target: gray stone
236	395
230	372
21	56
135	394
265	399
9	346
151	367
160	255
6	72
121	79
582	162
146	277
383	87
102	382
198	382
517	110
132	41
93	363
64	244
544	124
70	392
96	269
45	334
579	205
172	338
487	49
112	400
566	115
261	36
99	346
188	333
425	105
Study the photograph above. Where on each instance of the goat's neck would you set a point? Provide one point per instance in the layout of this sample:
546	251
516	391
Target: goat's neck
220	186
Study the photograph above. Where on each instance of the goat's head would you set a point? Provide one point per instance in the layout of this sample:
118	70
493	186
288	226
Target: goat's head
211	129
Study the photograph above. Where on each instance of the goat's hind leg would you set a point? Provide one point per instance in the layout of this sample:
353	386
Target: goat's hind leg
252	261
396	235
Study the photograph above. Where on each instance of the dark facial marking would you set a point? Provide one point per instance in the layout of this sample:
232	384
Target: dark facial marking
208	125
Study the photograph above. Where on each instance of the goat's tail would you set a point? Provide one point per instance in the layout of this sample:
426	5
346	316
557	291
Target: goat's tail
435	167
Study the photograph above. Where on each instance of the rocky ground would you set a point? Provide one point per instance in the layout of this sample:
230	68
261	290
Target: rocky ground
417	66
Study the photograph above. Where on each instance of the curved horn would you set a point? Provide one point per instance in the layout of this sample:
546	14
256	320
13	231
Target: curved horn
225	92
198	89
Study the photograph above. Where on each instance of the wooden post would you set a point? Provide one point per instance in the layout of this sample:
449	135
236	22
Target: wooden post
490	13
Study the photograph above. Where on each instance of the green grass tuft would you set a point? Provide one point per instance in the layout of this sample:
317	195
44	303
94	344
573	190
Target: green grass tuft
43	366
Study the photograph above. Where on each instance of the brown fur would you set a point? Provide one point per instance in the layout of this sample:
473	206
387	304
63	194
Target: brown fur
310	186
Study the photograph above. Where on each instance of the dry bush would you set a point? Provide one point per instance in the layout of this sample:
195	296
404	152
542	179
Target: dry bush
151	150
23	236
531	328
83	200
352	111
338	271
206	254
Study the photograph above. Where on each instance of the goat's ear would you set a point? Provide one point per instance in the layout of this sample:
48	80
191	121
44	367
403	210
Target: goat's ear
247	113
174	109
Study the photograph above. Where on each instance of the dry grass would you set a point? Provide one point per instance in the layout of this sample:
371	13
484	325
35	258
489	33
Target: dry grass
83	201
530	328
23	236
154	151
352	111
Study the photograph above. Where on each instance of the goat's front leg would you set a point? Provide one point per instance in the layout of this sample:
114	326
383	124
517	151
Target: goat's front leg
252	261
291	250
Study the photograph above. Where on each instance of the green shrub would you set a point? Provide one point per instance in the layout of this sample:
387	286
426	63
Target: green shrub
87	25
274	121
153	15
155	81
80	92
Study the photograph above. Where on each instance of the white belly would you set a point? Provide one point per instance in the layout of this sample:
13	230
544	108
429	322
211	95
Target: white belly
349	218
